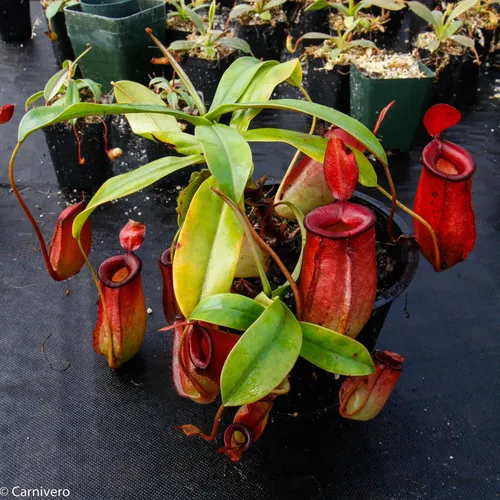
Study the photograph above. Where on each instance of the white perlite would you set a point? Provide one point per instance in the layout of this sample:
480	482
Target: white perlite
390	66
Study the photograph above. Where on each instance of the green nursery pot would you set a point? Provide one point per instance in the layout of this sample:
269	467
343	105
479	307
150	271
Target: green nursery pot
110	8
369	96
121	49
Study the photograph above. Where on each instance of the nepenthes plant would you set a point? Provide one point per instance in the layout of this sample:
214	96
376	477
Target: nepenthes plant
235	333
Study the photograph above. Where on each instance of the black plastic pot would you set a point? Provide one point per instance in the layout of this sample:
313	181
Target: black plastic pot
174	35
483	50
157	150
314	392
206	74
393	37
62	45
265	41
15	21
369	96
63	149
330	88
457	82
307	22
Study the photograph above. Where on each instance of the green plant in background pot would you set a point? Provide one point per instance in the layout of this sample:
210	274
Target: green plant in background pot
182	19
262	24
353	11
443	42
207	53
327	79
481	24
233	235
78	147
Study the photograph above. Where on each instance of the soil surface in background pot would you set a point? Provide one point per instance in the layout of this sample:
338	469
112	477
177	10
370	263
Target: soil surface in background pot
314	391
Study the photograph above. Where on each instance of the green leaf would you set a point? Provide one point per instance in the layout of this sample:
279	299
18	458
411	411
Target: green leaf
228	156
334	352
453	27
55	83
131	182
422	11
53	9
197	20
127	92
235	80
462	7
311	145
388	4
41	117
94	87
208	249
263	356
182	45
362	43
262	86
172	99
367	175
235	44
265	15
345	122
187	194
314	35
229	310
240	9
72	96
33	99
274	3
318	5
463	40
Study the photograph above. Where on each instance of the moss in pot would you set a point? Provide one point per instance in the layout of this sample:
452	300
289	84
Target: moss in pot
338	247
327	80
78	147
262	24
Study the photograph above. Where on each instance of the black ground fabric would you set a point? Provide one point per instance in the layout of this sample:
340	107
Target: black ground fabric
111	436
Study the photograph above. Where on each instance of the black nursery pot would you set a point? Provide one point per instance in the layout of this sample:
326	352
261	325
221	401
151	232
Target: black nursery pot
62	45
457	83
15	21
206	74
313	391
63	149
308	22
330	88
157	150
265	41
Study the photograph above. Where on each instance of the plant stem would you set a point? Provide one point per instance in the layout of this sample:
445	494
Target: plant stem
215	428
277	198
270	251
437	254
43	247
111	352
393	199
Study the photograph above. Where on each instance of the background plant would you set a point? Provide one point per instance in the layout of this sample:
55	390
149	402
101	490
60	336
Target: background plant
209	43
186	12
51	8
258	8
173	92
445	24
